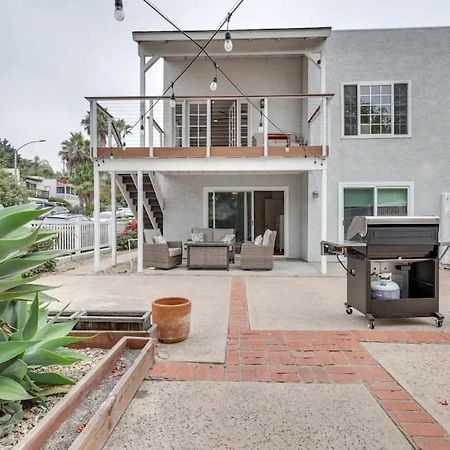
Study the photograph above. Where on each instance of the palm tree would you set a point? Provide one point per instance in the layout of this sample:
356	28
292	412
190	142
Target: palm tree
102	126
75	151
122	128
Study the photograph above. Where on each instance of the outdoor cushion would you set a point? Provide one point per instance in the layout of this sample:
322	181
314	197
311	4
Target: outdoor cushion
174	251
150	234
228	238
159	240
266	237
258	240
219	233
197	237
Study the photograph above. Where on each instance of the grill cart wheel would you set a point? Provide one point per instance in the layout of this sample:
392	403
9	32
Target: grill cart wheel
371	325
439	323
349	310
439	319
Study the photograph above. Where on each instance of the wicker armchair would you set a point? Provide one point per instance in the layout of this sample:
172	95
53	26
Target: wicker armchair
161	256
258	257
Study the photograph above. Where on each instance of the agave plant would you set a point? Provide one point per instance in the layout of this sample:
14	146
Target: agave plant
28	338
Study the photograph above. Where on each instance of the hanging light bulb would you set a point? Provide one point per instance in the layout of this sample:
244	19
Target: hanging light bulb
228	45
173	101
213	85
118	12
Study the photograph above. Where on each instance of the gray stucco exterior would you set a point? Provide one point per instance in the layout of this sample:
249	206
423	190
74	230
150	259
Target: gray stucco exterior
420	161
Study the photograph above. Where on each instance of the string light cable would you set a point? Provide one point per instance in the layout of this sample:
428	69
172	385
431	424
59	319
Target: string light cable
213	85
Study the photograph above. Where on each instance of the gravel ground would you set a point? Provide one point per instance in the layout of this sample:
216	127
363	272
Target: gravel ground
33	413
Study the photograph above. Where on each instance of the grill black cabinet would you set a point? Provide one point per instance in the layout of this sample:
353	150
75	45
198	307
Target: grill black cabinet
407	247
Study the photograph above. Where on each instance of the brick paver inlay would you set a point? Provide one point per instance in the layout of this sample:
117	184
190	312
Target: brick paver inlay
315	357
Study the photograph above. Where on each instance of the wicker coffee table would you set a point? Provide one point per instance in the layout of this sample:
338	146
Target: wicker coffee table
207	255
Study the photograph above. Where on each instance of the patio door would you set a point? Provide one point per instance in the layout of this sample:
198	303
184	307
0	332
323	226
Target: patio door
250	213
232	210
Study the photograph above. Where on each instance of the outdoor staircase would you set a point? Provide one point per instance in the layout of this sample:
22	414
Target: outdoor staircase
153	207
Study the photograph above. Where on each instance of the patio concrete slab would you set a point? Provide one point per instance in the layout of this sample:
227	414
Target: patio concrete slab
221	415
210	298
423	370
317	303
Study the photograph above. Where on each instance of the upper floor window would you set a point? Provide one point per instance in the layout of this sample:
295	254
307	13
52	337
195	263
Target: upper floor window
376	109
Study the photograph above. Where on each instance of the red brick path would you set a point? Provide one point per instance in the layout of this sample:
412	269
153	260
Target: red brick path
315	357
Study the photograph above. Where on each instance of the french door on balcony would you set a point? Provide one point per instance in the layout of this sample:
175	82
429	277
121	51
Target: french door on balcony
229	124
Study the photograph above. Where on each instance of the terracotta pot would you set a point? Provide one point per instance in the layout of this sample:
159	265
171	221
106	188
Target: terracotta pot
173	316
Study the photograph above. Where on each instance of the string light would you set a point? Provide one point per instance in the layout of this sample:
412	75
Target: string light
173	100
118	10
213	85
228	44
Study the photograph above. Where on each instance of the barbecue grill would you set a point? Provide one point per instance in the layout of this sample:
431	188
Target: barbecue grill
405	249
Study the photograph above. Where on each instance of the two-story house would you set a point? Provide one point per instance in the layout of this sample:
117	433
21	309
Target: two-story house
296	130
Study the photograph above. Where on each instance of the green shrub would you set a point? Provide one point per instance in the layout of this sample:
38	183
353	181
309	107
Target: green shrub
48	266
122	239
28	338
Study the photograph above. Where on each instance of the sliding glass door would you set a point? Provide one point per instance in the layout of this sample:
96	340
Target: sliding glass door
231	210
249	212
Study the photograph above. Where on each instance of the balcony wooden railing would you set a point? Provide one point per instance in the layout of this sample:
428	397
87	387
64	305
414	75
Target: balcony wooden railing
284	126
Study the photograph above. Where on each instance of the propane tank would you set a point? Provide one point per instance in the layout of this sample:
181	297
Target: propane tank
383	288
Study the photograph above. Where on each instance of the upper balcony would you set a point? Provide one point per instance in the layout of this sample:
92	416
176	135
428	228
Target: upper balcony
212	127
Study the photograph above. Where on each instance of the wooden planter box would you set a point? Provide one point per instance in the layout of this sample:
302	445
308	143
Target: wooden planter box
96	432
108	320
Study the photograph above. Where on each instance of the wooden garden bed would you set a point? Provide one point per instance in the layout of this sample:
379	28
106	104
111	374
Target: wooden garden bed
132	355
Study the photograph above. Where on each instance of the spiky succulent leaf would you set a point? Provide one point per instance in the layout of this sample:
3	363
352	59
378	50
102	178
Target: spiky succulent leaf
11	390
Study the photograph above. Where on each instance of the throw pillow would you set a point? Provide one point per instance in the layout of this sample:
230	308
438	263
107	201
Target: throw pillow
159	240
266	237
228	238
258	240
197	237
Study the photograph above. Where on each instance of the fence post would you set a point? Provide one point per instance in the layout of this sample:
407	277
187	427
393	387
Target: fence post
77	238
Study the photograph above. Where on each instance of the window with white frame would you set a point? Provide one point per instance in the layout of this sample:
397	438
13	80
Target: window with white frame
197	124
374	201
376	109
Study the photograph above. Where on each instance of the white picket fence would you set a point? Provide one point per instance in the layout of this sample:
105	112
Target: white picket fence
445	225
76	237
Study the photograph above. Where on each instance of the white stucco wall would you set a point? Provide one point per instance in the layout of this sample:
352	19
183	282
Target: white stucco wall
420	56
184	203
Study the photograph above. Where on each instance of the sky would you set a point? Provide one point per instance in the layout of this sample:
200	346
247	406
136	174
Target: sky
53	53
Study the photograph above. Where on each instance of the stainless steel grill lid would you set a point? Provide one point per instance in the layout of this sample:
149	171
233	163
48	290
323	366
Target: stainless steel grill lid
360	224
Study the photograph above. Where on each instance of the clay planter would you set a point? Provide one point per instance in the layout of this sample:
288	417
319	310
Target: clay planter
173	317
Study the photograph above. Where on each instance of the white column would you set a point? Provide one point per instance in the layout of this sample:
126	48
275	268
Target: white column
266	127
93	128
208	127
323	89
142	102
324	204
140	221
113	229
96	218
150	129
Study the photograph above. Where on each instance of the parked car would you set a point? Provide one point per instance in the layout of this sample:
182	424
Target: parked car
121	214
66	218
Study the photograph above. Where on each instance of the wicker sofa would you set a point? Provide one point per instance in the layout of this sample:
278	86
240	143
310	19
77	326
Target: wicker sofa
258	257
161	256
216	235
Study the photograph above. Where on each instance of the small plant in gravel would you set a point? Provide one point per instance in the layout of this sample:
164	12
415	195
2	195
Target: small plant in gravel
29	340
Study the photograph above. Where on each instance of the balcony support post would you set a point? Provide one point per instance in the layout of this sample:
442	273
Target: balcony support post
208	127
142	90
96	217
113	229
150	129
266	127
323	89
140	221
93	127
324	205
